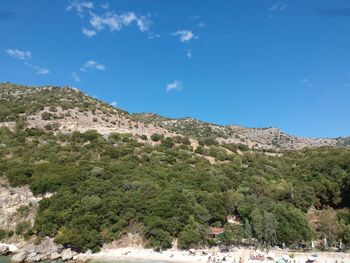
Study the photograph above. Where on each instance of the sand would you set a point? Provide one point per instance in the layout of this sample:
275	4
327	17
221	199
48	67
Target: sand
230	257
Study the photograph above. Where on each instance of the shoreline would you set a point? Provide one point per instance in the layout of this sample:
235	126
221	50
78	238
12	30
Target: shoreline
212	255
185	256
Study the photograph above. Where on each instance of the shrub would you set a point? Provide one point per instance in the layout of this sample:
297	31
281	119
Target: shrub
156	137
46	116
186	141
2	234
22	227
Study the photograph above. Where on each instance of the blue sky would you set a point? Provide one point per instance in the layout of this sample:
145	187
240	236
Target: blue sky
256	63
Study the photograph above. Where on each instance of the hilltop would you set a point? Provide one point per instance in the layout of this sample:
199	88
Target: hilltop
66	109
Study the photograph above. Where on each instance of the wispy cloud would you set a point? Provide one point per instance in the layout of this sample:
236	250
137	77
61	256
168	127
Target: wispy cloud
115	22
38	70
152	35
101	17
189	53
143	23
105	6
306	82
278	7
87	32
195	17
91	64
114	103
25	56
76	77
19	54
79	6
175	85
335	12
202	24
185	35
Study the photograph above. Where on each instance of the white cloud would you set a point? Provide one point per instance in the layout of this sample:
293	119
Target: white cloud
25	56
153	35
114	103
91	64
22	55
185	35
105	6
38	70
87	32
189	53
202	24
176	85
79	6
278	7
115	22
143	23
76	77
109	20
128	18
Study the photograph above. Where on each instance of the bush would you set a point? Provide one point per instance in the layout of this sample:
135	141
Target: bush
208	141
156	137
200	150
22	227
167	142
186	141
46	116
2	234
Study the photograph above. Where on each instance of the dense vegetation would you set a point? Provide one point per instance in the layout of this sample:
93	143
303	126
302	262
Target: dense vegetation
107	186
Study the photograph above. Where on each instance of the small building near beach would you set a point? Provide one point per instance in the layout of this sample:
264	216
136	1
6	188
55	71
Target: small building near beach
215	231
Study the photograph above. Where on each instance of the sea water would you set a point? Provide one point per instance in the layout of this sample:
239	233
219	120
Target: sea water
4	259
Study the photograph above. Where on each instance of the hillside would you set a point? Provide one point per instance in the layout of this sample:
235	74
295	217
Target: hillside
92	175
68	109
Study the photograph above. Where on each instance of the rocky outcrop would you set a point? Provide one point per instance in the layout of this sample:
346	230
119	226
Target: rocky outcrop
4	250
67	254
19	257
47	250
16	204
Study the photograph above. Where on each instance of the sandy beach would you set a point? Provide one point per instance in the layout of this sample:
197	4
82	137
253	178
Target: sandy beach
213	255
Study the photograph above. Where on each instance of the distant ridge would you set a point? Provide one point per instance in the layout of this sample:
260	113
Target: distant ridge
67	109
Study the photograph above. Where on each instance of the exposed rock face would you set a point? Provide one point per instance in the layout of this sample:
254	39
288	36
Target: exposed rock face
16	204
19	257
46	250
55	256
67	254
128	240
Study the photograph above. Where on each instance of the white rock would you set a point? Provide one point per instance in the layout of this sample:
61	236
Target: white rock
19	257
55	256
67	254
4	250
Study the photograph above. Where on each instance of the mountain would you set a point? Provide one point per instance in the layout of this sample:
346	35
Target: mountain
68	109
